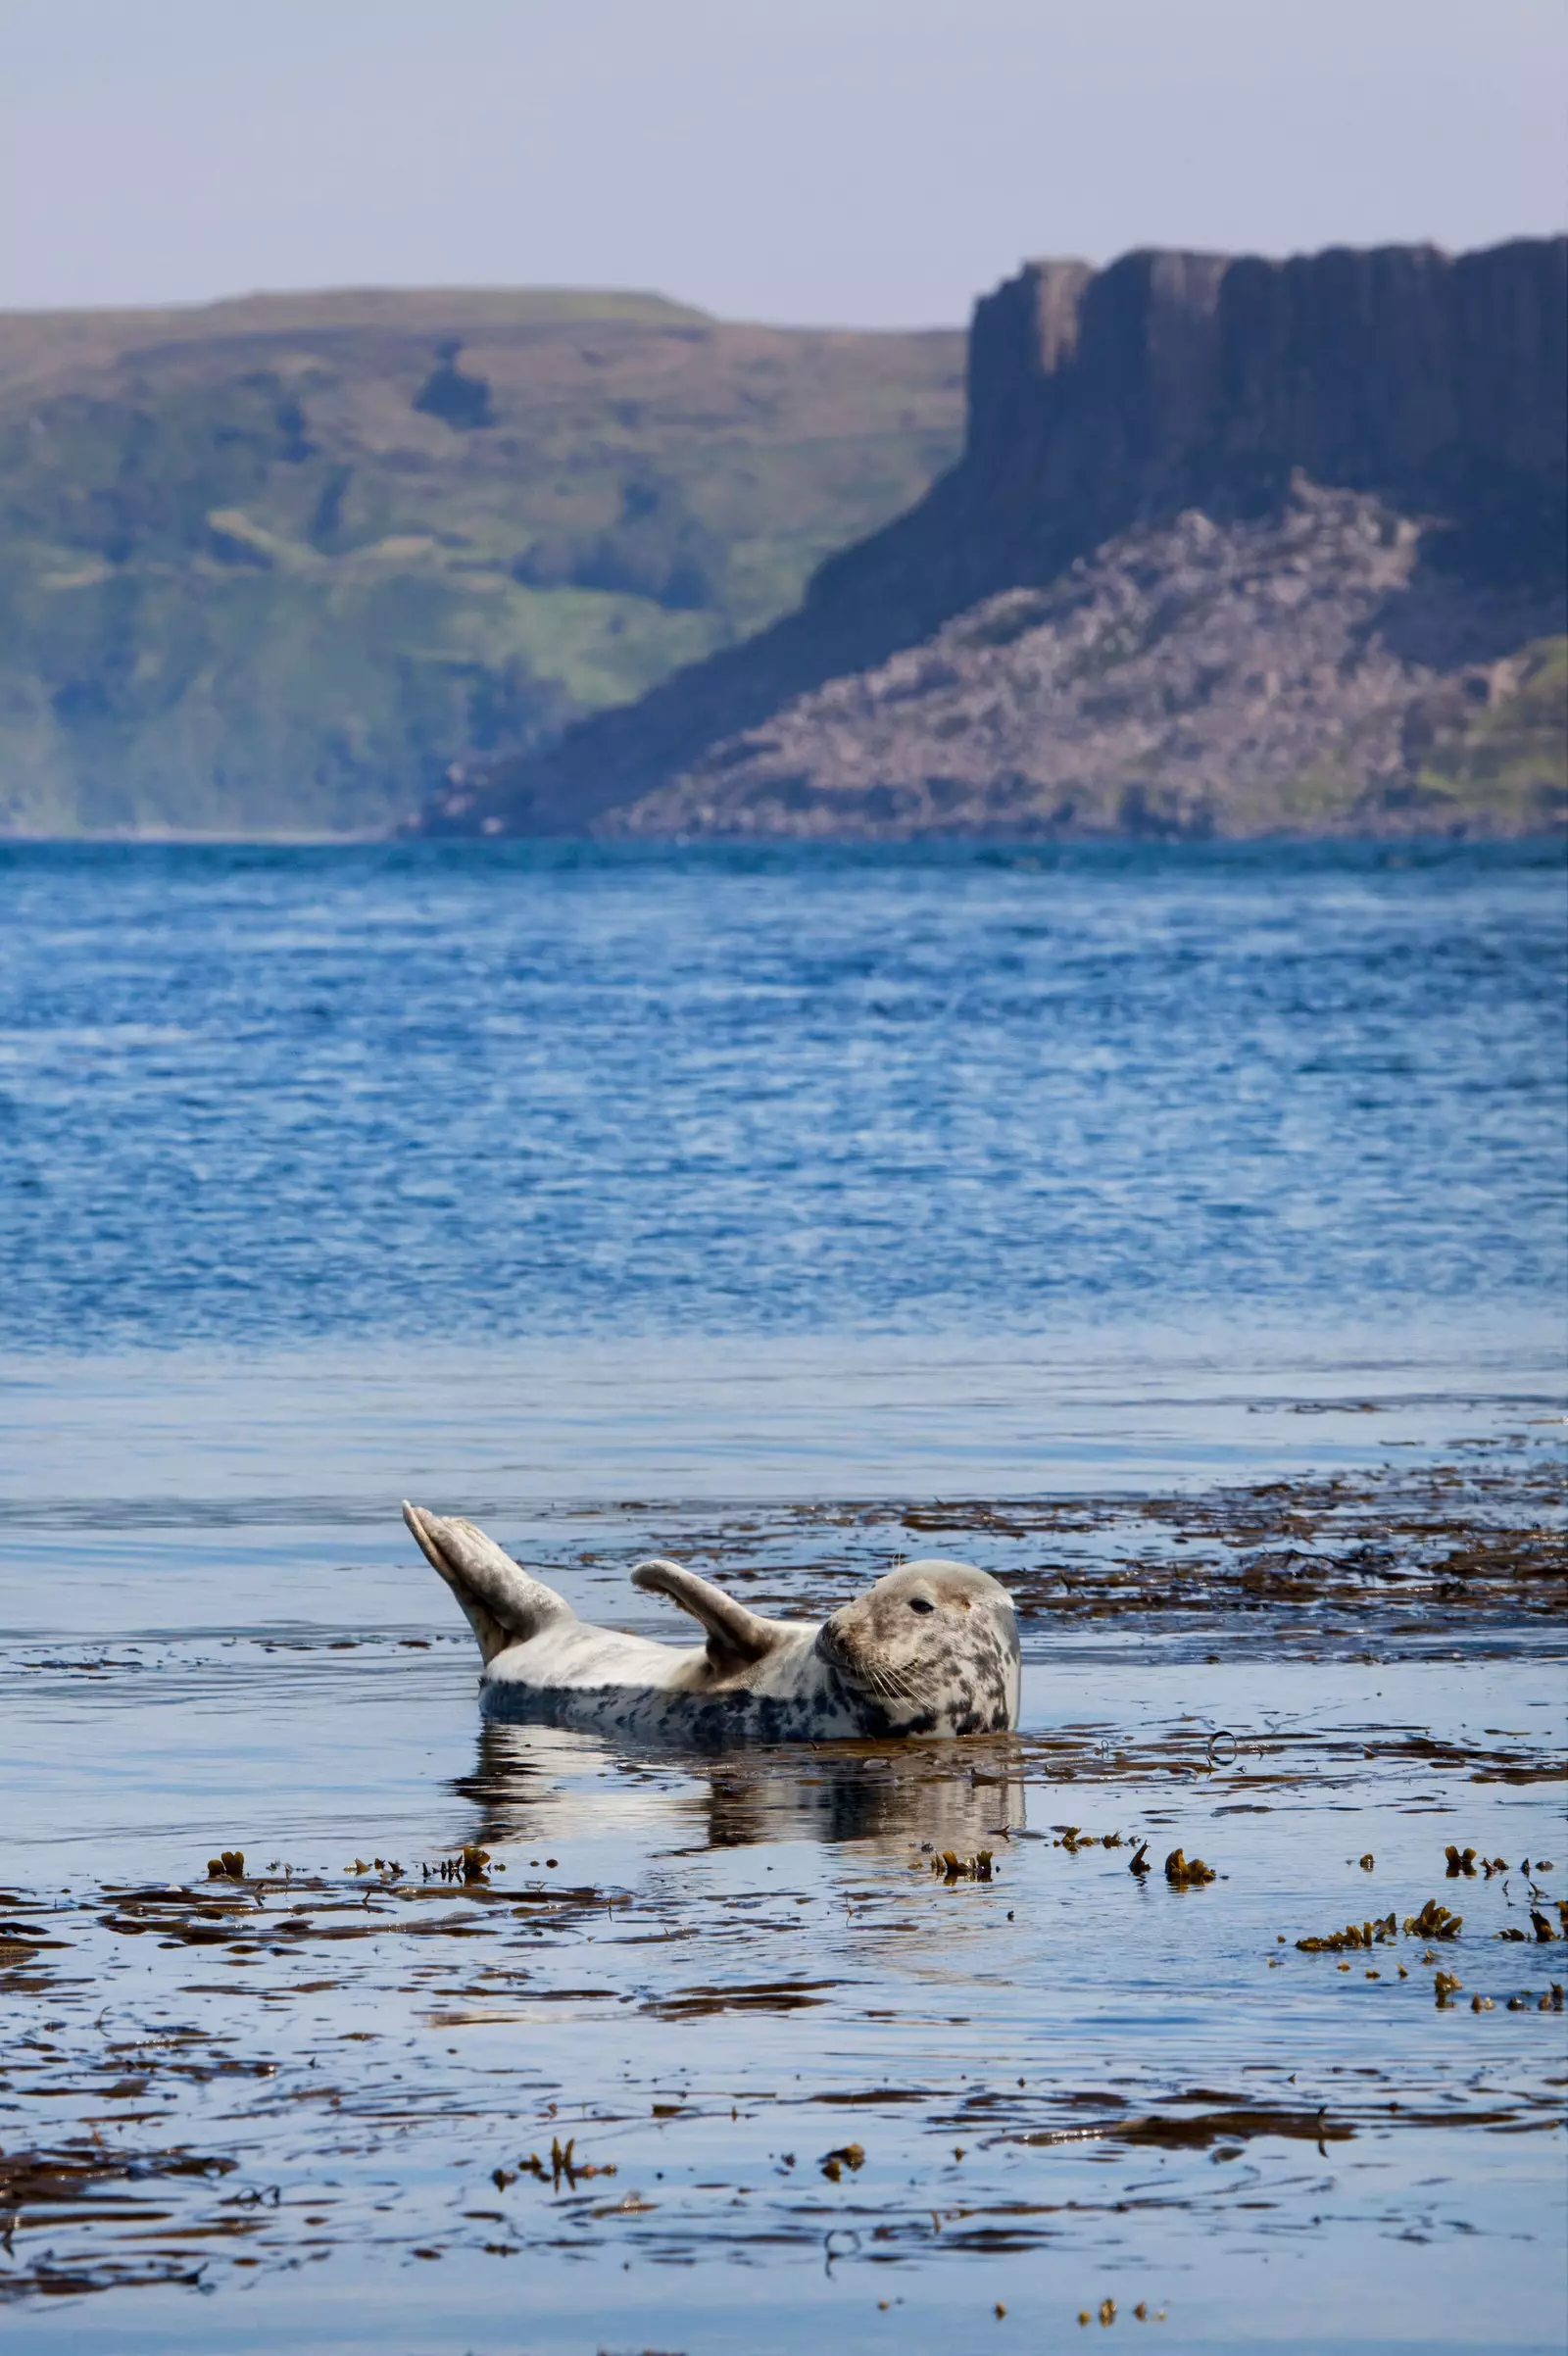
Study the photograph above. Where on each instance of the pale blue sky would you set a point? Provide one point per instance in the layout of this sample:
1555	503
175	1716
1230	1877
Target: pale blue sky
867	162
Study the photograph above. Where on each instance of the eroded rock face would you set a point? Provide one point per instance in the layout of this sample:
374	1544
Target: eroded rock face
1174	379
1131	412
1305	673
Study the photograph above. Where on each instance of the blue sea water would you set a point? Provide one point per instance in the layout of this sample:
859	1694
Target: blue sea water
267	1097
540	1180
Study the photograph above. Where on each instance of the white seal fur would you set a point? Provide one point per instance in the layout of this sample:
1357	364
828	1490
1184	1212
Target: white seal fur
932	1650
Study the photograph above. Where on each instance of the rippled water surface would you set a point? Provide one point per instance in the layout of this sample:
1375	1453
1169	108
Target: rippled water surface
294	1093
1178	1234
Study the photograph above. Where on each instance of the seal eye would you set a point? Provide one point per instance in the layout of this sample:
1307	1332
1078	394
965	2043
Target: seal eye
920	1603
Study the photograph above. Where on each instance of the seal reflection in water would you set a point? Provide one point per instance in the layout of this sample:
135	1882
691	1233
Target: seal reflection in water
544	1785
933	1650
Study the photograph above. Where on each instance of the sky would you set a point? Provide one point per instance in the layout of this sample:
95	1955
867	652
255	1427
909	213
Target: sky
866	162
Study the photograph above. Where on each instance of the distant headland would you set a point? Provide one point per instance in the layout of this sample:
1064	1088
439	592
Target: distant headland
1232	546
1187	546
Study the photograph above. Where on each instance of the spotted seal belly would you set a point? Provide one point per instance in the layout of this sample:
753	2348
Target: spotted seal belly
931	1650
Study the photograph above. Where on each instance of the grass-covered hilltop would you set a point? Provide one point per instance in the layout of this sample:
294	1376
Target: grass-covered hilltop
284	563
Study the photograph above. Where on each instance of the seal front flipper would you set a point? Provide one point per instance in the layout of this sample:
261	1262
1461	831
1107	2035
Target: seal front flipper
736	1637
501	1603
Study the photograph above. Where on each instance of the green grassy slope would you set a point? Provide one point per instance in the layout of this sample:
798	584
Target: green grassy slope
1507	759
1484	751
279	563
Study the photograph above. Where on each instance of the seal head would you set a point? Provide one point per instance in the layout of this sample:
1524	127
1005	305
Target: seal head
934	1644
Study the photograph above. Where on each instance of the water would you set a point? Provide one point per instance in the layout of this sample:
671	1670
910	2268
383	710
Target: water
263	1097
1196	1213
320	2108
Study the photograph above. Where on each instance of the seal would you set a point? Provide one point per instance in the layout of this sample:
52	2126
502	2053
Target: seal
932	1650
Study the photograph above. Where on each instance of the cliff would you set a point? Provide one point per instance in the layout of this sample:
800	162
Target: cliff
1105	406
1185	380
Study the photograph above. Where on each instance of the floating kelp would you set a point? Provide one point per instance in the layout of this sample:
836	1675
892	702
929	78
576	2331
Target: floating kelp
1188	1873
954	1868
1354	1934
1434	1922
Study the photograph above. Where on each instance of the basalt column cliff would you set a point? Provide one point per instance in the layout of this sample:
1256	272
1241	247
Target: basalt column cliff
1234	547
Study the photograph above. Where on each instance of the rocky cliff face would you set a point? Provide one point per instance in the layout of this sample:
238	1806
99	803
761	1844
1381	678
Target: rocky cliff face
1190	679
1172	381
1107	404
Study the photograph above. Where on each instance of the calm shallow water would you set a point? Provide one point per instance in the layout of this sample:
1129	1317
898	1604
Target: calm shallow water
535	1183
1063	2086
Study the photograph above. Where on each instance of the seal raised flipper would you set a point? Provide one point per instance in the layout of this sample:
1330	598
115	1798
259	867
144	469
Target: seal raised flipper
501	1601
736	1637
